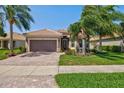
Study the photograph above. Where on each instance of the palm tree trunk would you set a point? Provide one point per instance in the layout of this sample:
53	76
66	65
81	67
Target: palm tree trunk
11	38
100	40
88	43
83	47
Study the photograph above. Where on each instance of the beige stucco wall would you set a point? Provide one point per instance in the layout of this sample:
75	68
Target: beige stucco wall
104	43
107	43
18	43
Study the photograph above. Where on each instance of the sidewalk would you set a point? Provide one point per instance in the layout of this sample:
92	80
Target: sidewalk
28	76
91	69
43	76
28	70
53	70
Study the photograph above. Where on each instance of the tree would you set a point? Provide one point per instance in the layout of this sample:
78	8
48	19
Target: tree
78	34
121	31
2	32
18	15
87	23
101	20
74	29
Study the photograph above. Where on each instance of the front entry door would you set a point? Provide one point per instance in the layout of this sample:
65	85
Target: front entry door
64	43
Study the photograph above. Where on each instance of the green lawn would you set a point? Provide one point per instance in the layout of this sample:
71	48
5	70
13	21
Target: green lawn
4	53
90	80
108	58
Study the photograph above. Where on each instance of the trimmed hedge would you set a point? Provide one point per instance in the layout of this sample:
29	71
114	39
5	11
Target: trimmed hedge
111	48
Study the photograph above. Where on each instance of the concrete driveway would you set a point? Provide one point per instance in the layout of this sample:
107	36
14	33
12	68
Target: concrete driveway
38	70
33	59
29	70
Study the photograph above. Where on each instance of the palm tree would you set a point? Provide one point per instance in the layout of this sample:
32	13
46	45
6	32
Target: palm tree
100	20
18	15
78	34
87	23
2	23
121	33
1	28
74	29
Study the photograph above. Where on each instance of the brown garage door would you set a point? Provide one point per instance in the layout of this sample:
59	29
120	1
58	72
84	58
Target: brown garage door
43	45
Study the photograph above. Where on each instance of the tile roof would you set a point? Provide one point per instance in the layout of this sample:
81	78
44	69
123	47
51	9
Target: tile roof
63	31
44	33
16	36
95	38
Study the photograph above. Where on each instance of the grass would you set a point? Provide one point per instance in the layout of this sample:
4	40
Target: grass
90	80
4	53
108	58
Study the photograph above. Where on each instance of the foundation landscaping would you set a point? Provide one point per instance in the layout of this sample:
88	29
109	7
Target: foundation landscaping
5	53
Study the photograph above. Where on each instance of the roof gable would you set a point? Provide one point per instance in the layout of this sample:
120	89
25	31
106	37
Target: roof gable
44	33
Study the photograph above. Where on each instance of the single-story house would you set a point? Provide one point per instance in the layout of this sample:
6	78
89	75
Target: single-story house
106	41
51	40
47	40
19	40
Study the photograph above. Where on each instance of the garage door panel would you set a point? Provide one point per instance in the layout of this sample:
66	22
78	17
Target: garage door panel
43	45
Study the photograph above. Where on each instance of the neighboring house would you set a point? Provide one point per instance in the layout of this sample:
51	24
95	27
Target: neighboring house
18	40
106	41
47	40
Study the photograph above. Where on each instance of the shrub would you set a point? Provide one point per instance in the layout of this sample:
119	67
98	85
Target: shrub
93	50
62	50
70	52
116	48
22	49
108	48
111	48
105	48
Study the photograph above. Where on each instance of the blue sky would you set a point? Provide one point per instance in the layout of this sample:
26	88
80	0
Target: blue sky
55	17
